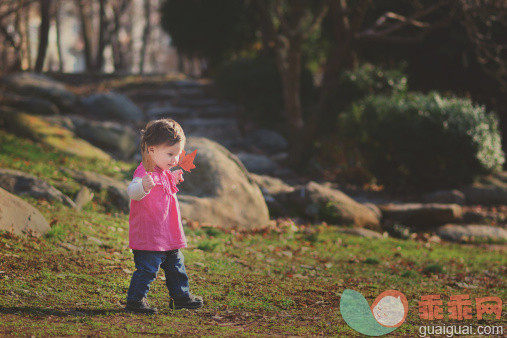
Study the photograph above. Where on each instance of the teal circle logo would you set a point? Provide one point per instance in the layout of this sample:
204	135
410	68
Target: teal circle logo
388	312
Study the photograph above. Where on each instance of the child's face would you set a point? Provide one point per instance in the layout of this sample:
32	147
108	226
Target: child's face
166	156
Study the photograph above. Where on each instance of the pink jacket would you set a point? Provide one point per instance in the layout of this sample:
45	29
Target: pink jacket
155	220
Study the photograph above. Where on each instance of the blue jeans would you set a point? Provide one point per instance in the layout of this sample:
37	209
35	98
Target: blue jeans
147	266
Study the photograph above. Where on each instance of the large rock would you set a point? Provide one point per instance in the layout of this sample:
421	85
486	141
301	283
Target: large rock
422	216
28	104
52	134
117	139
273	189
116	190
271	185
41	86
20	217
267	140
258	164
23	184
472	233
112	106
322	203
490	190
219	190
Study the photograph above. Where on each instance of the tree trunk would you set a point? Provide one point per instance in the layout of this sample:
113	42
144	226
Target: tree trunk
341	57
128	51
86	30
43	34
115	41
58	37
18	56
99	58
26	19
146	34
288	56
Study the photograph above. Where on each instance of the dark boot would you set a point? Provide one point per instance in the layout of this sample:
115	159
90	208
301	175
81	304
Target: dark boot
190	302
140	306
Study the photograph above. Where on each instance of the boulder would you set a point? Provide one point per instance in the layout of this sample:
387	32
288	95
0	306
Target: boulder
116	190
321	203
219	190
112	106
422	216
267	140
472	233
445	197
28	104
43	87
52	134
120	140
258	164
272	188
20	217
490	190
22	184
271	185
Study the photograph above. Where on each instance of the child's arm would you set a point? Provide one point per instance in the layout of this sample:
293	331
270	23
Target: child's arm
140	187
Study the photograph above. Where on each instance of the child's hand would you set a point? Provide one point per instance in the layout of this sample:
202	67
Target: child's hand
178	174
148	183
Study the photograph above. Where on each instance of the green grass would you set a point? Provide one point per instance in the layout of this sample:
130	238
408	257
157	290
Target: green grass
280	281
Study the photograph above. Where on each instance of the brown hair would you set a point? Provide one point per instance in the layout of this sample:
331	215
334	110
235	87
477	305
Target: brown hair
163	131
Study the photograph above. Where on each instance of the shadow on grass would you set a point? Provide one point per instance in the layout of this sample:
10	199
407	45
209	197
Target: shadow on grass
60	313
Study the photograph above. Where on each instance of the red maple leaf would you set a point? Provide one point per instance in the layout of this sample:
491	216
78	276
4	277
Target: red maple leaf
187	161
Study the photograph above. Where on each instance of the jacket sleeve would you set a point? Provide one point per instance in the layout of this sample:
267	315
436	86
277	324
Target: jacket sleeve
135	189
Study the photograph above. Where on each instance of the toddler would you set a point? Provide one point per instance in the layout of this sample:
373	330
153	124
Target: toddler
155	230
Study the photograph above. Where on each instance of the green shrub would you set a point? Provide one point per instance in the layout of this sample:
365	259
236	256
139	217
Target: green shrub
424	142
255	84
367	79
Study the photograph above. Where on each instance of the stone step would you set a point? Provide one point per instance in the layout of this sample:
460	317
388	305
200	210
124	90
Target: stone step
150	94
222	130
167	109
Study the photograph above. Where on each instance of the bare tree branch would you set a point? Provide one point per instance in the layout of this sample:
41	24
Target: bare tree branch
403	22
317	19
479	18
